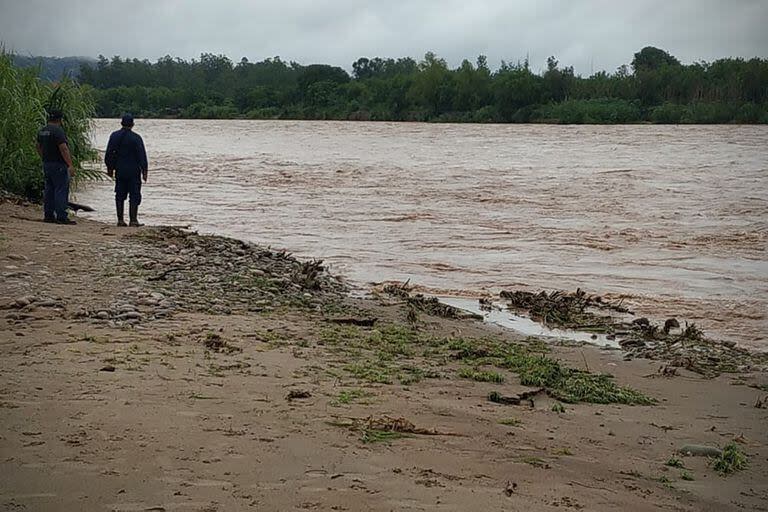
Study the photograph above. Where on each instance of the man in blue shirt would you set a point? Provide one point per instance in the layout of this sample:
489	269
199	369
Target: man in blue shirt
126	159
53	148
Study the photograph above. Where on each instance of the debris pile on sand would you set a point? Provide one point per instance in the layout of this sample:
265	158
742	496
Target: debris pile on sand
373	429
177	270
563	309
429	305
686	347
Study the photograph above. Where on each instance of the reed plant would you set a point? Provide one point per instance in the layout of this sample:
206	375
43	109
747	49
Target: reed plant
24	103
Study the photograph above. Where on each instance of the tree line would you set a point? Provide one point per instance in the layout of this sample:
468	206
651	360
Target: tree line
656	87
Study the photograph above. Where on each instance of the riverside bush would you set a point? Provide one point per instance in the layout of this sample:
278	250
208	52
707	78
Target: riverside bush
24	100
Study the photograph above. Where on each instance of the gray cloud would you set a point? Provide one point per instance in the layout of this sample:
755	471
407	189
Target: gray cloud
588	34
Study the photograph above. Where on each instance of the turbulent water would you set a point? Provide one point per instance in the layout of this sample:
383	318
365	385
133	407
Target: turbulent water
672	218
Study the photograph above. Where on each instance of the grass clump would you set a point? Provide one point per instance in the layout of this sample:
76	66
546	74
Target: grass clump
373	371
378	371
665	481
571	385
731	460
510	422
408	374
350	395
685	475
558	408
481	375
388	341
674	462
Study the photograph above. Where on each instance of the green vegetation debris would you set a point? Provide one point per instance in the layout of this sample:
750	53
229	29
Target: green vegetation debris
480	375
732	459
382	429
380	436
535	462
395	352
674	462
348	396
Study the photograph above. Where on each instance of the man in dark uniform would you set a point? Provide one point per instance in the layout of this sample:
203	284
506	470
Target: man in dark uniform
126	159
57	169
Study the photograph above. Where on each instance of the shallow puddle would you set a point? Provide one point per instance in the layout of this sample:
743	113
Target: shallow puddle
505	318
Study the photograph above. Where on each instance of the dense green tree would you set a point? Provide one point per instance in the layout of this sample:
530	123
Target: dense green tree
650	59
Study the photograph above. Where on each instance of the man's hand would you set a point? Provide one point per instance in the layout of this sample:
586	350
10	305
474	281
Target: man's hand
144	175
110	172
71	171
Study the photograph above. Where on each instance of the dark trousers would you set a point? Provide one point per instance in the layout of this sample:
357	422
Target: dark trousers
128	183
56	191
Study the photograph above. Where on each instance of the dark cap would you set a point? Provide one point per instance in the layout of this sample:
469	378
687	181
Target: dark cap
127	120
55	115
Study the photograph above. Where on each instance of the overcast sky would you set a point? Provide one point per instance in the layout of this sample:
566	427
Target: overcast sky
588	34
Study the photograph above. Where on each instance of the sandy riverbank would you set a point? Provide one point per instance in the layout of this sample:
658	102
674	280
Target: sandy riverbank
150	370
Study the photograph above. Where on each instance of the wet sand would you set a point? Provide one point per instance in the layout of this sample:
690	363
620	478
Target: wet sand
674	219
101	414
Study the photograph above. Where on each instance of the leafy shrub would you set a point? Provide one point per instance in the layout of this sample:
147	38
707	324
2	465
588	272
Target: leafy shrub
23	102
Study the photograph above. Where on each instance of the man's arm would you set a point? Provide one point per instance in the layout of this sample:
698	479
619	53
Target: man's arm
143	159
61	142
110	145
64	149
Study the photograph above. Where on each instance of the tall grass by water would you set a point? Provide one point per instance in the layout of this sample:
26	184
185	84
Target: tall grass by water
24	102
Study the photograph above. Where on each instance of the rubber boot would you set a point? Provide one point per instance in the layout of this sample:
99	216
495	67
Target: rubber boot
120	206
133	211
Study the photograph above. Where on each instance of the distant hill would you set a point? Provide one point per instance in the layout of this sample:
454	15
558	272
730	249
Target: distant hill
53	68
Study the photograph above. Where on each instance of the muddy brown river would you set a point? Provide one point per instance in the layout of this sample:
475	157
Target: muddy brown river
674	219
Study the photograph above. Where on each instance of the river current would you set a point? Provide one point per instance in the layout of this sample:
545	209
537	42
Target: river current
673	219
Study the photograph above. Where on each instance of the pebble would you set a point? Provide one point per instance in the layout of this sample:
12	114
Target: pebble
129	315
19	274
24	301
102	315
